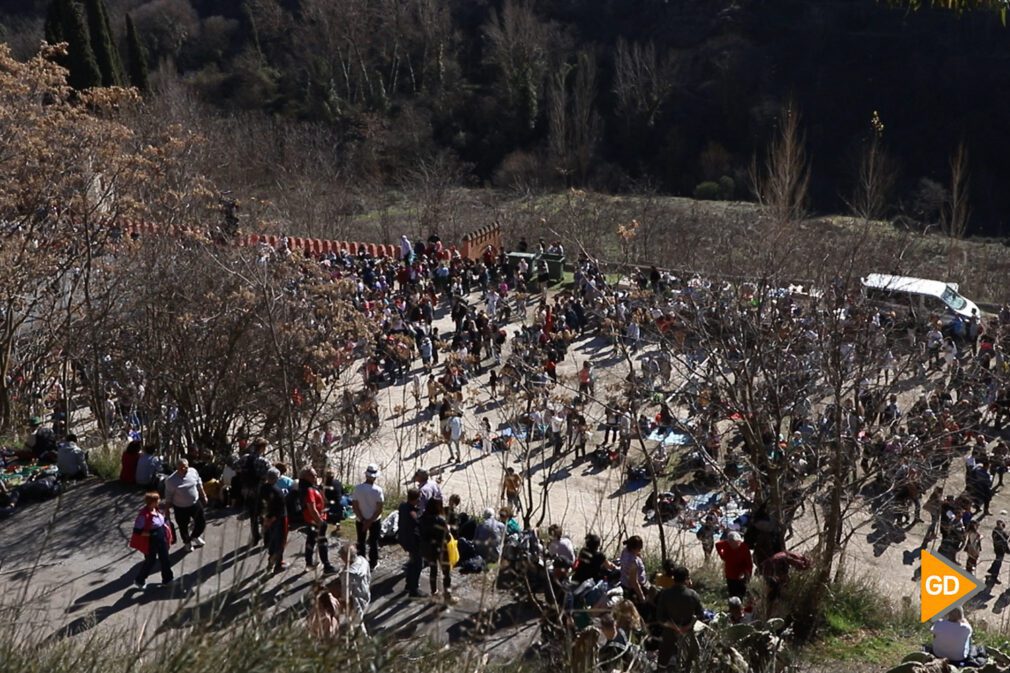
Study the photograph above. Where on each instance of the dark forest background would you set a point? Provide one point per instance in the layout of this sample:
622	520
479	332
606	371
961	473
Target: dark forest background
613	95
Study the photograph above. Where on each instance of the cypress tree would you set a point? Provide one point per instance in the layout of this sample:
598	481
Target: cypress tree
102	43
84	70
135	56
54	23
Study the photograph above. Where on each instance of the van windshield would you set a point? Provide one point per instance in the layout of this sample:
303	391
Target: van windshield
953	299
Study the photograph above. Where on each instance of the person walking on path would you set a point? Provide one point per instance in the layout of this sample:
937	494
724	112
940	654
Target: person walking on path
184	493
367	501
152	537
737	563
1000	546
314	514
455	436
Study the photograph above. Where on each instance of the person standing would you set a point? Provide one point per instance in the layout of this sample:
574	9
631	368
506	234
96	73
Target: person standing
737	563
455	435
677	610
408	534
972	546
511	486
151	537
253	468
1000	546
314	514
435	548
428	488
273	504
184	493
367	501
634	581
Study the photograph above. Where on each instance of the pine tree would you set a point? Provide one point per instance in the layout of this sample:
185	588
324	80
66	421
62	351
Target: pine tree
102	43
80	60
136	57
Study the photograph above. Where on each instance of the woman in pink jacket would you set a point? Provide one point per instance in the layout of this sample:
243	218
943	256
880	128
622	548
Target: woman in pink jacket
152	537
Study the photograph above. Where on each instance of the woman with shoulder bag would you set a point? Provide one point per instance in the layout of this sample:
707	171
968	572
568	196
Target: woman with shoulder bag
152	537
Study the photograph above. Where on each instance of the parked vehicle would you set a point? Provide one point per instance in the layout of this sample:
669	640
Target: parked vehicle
923	297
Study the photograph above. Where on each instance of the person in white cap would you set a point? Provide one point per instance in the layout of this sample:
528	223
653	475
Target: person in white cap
367	501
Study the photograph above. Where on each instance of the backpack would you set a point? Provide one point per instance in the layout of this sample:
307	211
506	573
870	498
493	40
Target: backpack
247	471
294	504
45	441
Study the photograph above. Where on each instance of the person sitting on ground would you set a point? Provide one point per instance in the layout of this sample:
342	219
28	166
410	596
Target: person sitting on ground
358	574
489	537
952	638
735	612
617	652
40	442
128	462
71	460
560	546
592	564
149	467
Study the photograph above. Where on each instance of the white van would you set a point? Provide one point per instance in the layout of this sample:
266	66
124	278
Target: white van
924	297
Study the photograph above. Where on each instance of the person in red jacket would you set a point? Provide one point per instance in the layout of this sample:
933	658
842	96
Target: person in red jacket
739	567
128	462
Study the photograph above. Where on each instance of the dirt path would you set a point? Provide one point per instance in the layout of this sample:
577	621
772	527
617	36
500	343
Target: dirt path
67	563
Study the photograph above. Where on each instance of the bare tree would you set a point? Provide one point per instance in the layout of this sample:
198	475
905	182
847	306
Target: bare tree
956	212
642	81
782	180
876	176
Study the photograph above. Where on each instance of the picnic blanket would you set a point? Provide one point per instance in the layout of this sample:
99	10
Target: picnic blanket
669	438
15	475
699	505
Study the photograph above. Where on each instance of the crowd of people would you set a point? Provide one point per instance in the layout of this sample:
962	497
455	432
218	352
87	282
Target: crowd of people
512	339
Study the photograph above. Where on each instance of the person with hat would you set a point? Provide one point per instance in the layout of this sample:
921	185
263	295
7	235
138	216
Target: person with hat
40	442
367	501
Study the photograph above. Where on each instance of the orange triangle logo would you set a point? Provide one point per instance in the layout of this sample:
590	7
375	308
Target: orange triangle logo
943	584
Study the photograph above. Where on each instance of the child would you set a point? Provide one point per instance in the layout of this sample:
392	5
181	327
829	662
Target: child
706	534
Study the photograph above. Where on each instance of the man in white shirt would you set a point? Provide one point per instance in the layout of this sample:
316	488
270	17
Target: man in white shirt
367	501
184	493
952	637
